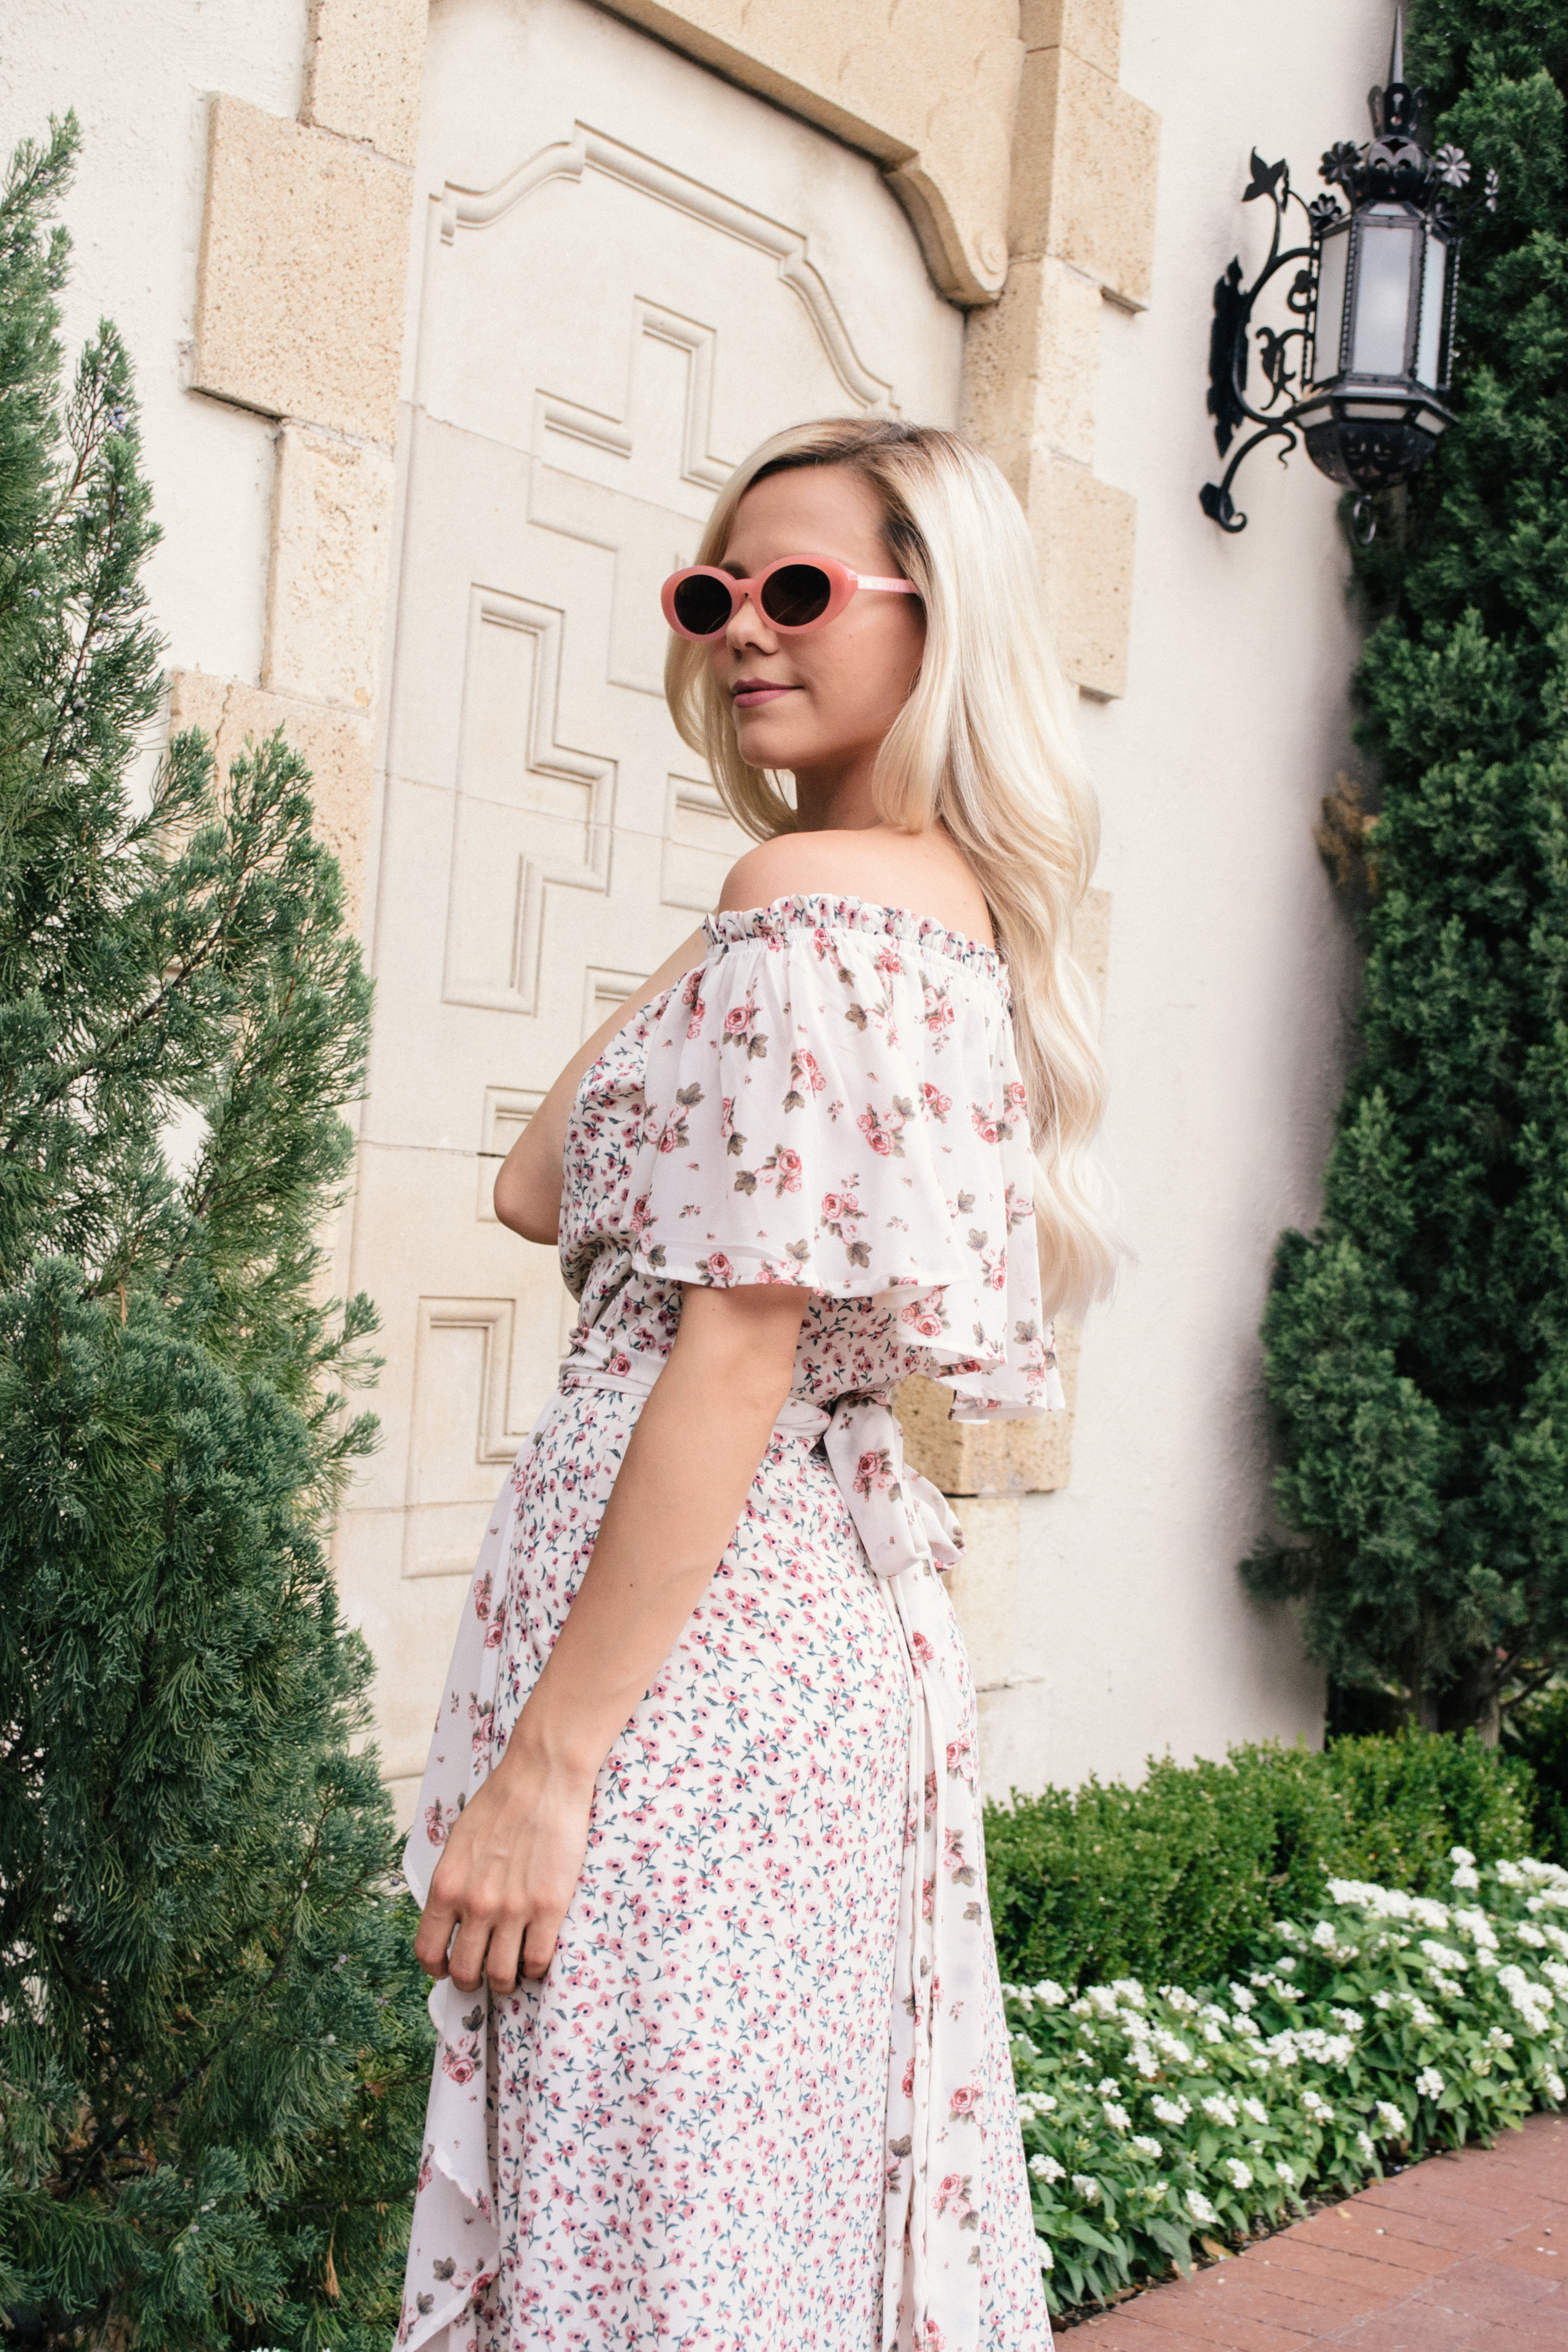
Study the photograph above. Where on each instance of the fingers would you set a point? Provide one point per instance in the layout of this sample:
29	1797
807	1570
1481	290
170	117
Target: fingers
483	1946
501	1960
538	1944
436	1922
466	1958
498	1952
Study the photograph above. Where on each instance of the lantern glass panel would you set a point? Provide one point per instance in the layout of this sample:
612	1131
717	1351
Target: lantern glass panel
1328	319
1434	302
1384	285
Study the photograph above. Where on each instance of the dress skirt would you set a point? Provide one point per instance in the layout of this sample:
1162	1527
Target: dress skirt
688	2117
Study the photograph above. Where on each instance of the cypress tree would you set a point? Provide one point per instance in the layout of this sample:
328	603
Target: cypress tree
1417	1341
212	2050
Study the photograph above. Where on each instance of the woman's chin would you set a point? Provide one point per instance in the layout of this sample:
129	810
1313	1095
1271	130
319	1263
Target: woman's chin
766	743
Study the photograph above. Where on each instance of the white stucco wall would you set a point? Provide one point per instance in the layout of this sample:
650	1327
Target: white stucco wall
1232	972
139	75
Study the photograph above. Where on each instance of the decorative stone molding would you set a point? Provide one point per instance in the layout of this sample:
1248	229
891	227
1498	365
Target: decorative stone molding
363	71
1092	30
587	149
1084	530
1082	230
1085	159
568	851
326	597
300	315
927	88
1031	367
299	292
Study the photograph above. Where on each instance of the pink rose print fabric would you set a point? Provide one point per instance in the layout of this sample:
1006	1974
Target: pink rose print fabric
763	2094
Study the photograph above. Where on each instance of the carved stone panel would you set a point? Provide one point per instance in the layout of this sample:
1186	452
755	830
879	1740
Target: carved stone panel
623	288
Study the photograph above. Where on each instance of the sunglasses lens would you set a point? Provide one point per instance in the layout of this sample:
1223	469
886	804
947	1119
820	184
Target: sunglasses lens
703	604
796	593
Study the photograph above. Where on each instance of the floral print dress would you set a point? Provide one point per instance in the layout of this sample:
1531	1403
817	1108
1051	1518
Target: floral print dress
762	2096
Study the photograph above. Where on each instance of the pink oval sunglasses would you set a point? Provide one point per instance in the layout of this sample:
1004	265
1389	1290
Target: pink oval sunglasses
796	593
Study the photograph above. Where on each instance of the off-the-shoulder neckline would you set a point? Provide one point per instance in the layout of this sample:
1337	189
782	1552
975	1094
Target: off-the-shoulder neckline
816	910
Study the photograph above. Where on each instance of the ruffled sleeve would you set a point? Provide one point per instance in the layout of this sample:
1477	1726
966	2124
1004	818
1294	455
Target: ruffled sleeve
835	1101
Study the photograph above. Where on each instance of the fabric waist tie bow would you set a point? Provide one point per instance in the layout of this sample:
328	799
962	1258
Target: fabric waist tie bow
936	2127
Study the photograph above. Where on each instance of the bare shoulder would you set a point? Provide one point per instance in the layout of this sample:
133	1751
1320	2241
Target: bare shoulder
922	873
788	865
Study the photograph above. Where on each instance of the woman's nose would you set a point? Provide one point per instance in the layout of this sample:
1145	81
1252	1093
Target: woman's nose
748	626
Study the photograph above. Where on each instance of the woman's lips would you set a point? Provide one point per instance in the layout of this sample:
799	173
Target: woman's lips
751	698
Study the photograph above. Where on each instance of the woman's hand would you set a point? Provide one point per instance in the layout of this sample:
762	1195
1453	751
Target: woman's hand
512	1859
506	1875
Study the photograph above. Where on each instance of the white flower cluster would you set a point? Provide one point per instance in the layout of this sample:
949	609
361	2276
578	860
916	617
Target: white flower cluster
1478	1928
1465	1874
1037	2102
1047	1995
1248	2106
1533	2002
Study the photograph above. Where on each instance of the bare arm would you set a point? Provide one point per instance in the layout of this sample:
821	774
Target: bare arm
508	1868
528	1185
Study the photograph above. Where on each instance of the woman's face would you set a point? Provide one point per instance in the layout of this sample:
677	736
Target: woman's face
817	706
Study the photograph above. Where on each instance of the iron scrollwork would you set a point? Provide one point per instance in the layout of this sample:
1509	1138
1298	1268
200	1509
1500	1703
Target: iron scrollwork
1369	411
1281	356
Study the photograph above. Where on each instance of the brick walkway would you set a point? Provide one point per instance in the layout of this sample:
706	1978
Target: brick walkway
1461	2253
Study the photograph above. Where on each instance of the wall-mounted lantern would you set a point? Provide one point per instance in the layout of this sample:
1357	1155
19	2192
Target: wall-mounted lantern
1360	379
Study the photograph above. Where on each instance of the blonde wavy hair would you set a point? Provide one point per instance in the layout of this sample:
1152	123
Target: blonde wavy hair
987	744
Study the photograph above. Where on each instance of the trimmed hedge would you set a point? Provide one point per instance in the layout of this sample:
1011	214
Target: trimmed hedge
1180	1878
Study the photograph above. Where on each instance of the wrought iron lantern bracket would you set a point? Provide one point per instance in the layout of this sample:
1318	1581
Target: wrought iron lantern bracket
1230	344
1359	375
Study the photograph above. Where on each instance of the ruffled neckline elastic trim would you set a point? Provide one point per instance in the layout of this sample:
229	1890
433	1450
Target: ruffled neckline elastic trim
802	912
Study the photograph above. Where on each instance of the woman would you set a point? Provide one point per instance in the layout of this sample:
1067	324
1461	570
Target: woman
722	2056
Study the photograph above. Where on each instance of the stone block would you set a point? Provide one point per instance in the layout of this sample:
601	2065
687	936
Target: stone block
928	90
1084	164
983	1589
990	1457
326	598
300	293
1031	369
1084	532
984	1457
362	69
1091	941
1092	30
336	743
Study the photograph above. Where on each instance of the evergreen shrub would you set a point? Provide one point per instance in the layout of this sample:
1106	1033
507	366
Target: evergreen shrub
212	2046
1370	2030
1417	1341
1537	1734
1178	1877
